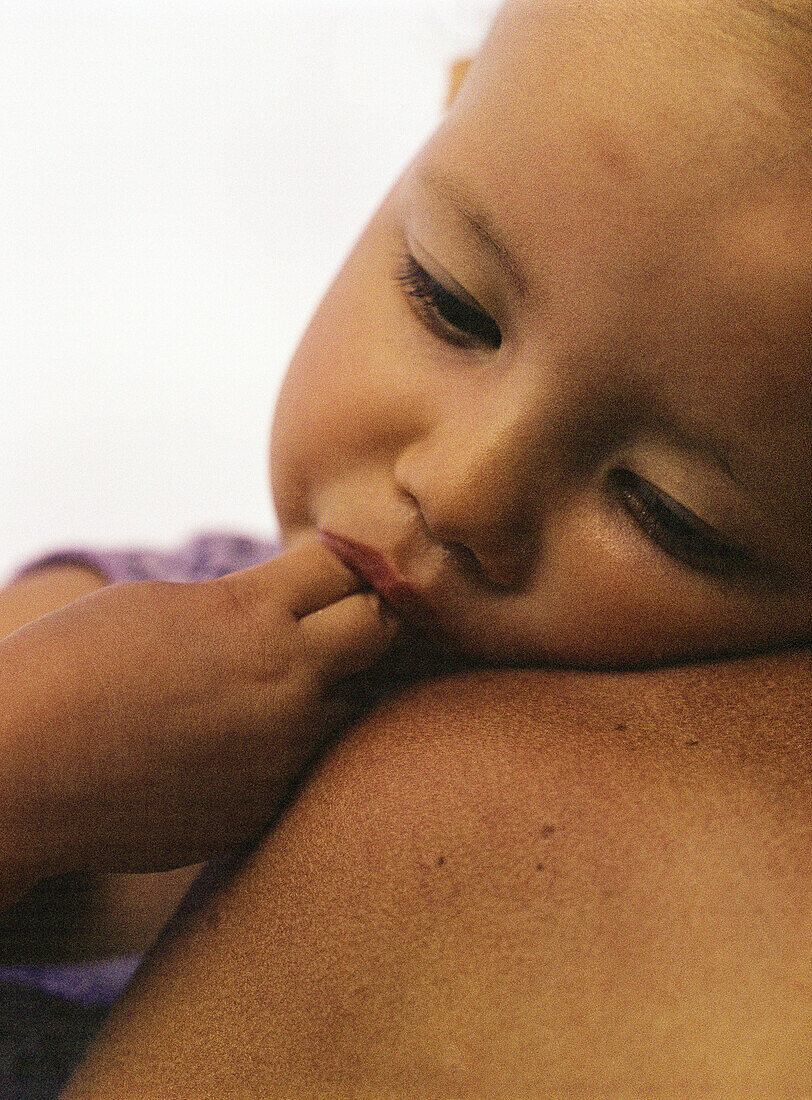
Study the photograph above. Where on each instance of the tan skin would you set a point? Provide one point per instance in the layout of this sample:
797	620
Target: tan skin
69	918
544	883
150	726
506	480
660	339
559	496
516	884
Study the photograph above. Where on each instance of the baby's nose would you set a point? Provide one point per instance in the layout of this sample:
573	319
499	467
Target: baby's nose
476	479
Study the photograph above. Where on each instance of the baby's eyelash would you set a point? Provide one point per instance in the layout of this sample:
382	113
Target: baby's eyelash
447	316
678	532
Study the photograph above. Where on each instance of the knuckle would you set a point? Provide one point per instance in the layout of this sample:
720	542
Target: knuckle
263	656
233	597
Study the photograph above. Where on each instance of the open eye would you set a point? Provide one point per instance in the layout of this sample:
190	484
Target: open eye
678	531
447	316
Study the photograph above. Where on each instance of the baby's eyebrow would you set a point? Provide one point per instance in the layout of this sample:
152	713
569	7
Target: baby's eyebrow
451	191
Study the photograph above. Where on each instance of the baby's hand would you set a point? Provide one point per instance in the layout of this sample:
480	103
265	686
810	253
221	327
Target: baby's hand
153	724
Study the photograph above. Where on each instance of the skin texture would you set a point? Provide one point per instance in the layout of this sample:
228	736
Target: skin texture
108	704
512	884
101	915
544	882
664	328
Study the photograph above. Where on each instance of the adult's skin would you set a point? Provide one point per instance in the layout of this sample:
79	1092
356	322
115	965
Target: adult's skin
517	883
536	883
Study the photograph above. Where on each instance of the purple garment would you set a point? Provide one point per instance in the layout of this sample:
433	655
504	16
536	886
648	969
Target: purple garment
48	1014
98	983
204	557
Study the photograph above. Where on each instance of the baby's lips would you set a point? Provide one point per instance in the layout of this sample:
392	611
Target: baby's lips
385	578
354	580
360	559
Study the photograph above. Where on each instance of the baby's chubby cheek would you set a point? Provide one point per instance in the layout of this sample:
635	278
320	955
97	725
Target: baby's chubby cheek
595	598
329	419
302	436
604	596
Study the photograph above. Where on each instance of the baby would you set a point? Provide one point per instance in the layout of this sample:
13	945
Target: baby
556	406
555	409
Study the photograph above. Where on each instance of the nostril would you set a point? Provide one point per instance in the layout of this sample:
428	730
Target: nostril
478	569
463	557
472	556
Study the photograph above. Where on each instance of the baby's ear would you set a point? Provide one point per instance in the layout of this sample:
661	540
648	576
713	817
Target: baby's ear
456	74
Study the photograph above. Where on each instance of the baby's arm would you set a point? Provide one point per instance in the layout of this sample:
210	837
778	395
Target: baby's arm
43	591
27	599
80	916
151	725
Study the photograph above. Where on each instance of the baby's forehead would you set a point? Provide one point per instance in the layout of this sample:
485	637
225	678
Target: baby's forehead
664	63
571	105
589	168
697	69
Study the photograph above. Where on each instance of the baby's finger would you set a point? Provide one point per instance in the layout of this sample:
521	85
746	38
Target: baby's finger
312	577
304	578
349	636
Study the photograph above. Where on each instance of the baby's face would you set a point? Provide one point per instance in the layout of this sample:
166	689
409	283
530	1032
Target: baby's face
562	383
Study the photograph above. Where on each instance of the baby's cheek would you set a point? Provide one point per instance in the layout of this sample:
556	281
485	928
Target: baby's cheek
337	407
312	426
627	609
604	596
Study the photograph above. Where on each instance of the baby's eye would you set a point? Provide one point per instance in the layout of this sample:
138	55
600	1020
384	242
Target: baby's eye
444	313
677	531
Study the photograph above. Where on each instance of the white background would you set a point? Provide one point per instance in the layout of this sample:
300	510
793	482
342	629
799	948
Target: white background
178	183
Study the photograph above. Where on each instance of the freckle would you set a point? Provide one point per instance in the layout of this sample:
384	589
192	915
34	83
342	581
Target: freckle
612	154
621	727
547	830
441	861
539	866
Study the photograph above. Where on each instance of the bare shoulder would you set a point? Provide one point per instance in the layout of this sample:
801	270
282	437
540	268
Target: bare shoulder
43	591
510	883
748	715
